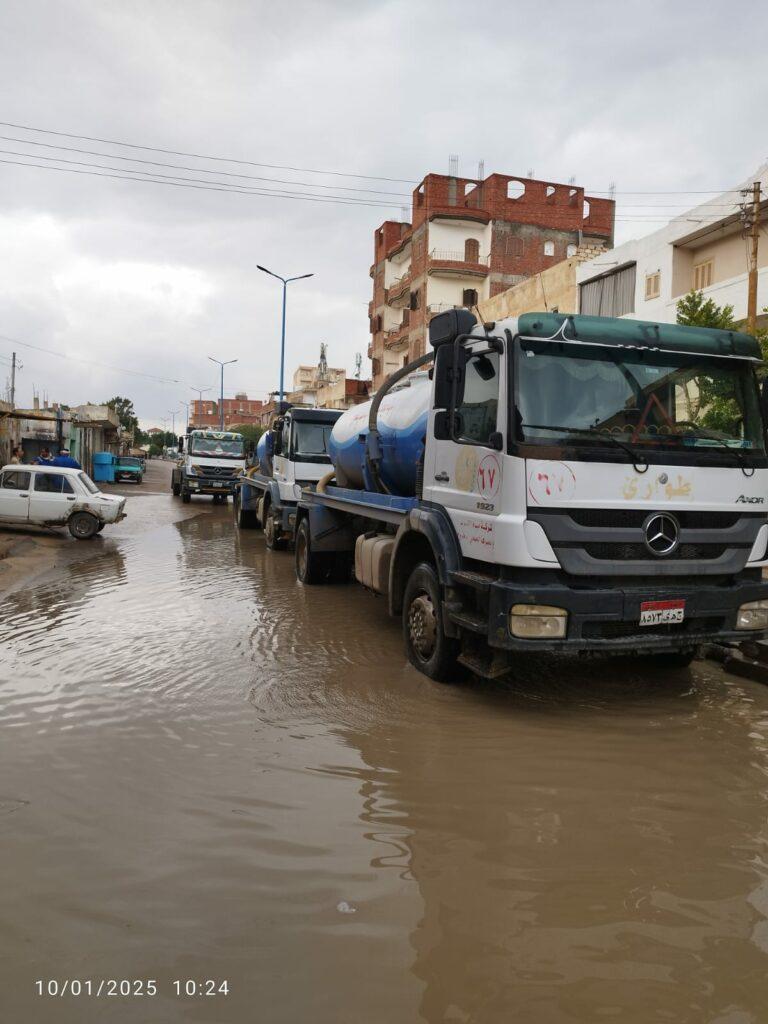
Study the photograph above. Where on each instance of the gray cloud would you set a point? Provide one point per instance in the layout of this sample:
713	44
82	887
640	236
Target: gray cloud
648	95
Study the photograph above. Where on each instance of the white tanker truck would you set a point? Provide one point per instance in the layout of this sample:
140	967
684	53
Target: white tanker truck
554	483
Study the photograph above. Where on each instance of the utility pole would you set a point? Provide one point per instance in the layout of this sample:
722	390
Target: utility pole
750	218
13	380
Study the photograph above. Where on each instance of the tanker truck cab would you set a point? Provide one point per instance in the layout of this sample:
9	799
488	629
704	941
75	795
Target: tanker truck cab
291	456
209	463
581	485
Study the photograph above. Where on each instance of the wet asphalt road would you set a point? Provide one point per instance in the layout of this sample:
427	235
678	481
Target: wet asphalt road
208	772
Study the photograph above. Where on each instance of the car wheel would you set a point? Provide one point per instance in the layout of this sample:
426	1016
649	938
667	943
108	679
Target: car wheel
428	648
83	526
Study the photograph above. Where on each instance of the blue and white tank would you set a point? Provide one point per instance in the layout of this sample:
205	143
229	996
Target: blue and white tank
402	424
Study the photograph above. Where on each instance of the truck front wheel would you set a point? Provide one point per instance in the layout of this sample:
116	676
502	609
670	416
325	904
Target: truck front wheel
428	648
186	497
175	487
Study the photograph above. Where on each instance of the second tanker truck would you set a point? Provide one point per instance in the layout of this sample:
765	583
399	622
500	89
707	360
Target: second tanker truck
553	483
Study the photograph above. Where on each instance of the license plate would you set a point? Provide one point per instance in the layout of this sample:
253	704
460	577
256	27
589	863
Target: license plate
656	613
217	483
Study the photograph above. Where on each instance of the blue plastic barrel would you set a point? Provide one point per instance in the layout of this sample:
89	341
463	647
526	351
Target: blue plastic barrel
104	467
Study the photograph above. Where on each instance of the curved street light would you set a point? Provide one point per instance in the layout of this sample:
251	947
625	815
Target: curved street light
286	281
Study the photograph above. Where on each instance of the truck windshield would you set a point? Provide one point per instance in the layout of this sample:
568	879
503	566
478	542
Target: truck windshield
310	441
653	401
214	448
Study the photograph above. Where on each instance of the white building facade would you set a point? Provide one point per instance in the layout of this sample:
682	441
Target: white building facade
703	249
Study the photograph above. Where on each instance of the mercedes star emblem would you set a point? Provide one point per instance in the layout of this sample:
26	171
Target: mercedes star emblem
662	534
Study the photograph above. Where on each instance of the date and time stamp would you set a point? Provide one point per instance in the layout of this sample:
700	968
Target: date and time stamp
112	988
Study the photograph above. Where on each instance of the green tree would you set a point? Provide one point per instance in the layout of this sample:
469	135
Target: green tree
713	403
250	431
125	412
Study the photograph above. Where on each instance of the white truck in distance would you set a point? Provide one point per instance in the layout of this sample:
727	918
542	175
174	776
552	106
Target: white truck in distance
209	463
566	484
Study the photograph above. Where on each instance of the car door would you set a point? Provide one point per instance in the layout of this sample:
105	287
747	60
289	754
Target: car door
51	497
14	495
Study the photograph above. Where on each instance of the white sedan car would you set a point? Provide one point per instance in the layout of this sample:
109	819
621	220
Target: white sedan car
52	496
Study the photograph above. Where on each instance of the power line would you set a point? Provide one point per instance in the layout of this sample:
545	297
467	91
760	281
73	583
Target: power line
203	156
312	170
180	182
199	170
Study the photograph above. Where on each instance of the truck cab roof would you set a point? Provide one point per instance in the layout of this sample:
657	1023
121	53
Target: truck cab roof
314	415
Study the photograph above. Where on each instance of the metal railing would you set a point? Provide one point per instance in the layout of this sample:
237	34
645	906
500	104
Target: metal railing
456	256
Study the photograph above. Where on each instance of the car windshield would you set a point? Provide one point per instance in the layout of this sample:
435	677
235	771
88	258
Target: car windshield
129	461
88	483
310	441
587	394
215	448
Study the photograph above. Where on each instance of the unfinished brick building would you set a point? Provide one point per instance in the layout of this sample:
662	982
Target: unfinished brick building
467	241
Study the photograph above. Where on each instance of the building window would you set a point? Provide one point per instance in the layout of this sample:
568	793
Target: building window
549	248
469	297
570	250
612	294
702	275
653	285
414	300
471	251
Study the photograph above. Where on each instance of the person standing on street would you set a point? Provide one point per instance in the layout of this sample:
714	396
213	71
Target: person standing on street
17	457
44	458
65	460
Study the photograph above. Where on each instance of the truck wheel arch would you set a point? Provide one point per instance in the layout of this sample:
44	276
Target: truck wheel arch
425	536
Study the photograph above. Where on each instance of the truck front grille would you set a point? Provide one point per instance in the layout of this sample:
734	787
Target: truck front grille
621	630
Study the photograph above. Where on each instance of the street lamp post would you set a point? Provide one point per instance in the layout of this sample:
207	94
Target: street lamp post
186	406
221	402
200	392
286	281
172	414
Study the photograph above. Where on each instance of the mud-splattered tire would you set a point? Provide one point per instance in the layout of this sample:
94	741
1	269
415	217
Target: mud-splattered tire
176	489
428	648
83	526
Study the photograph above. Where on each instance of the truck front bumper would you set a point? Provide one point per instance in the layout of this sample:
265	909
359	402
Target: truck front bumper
608	620
204	485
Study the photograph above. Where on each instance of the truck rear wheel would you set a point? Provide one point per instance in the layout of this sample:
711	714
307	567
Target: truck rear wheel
175	487
245	519
428	648
272	536
311	567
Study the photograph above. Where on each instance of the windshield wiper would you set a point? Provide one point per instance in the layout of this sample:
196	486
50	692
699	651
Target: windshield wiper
742	460
637	458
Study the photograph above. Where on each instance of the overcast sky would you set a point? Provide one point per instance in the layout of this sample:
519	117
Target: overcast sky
151	278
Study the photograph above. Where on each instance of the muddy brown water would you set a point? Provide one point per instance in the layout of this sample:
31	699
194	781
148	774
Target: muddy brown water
210	772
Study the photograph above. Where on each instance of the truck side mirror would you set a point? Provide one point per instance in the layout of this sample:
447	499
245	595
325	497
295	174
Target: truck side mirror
764	402
450	363
181	444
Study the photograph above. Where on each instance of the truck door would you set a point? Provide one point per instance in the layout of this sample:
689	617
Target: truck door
464	474
14	495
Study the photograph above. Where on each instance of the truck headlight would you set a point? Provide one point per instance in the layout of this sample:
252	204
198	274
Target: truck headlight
753	615
537	621
297	491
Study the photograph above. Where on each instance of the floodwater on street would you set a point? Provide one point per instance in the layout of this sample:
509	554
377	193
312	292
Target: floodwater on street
210	772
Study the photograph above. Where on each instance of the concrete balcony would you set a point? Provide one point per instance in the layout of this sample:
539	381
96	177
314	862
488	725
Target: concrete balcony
396	339
398	290
447	263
